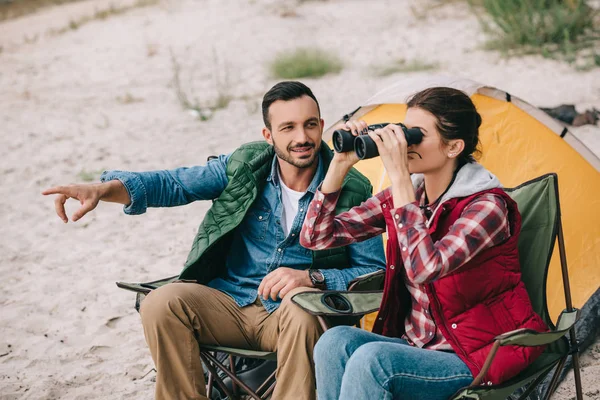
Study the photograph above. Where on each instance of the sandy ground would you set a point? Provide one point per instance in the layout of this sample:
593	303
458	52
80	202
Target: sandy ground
100	97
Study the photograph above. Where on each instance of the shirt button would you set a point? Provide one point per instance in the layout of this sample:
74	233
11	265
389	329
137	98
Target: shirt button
302	209
392	267
384	205
293	234
318	205
397	216
404	249
430	334
260	217
279	250
380	318
489	383
454	326
400	225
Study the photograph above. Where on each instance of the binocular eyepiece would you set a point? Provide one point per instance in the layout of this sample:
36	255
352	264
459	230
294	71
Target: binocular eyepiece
364	146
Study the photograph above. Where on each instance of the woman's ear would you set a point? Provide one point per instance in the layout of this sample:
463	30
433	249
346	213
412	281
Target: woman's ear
455	147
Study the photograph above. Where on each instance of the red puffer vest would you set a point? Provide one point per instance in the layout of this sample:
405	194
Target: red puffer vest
472	305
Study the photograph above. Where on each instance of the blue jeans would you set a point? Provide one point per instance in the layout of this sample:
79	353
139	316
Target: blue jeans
355	364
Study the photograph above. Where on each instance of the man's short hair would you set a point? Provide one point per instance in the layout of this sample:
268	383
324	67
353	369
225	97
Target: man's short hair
287	90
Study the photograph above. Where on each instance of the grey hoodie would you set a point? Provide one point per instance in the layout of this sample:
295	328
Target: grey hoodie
471	178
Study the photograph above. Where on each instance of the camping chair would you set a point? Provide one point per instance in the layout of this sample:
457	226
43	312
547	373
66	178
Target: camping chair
224	374
539	206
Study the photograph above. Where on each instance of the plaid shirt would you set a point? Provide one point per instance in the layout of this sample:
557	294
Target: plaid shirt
482	224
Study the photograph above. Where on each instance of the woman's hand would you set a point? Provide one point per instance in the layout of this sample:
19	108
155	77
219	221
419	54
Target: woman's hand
393	150
342	162
349	158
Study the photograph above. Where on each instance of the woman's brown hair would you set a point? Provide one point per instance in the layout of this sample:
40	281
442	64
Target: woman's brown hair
456	117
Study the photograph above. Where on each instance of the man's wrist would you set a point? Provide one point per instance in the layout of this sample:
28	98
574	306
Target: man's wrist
317	278
113	191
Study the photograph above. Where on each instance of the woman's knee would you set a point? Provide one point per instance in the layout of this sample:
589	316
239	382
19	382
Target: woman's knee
368	361
334	343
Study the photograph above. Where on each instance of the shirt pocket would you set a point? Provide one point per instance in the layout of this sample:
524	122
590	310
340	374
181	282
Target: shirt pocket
257	222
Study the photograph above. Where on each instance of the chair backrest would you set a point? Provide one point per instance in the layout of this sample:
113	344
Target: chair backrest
537	202
539	206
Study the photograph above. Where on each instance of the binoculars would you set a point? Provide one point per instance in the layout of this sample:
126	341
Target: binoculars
364	146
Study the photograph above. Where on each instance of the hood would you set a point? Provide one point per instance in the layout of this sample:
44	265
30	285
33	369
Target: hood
471	178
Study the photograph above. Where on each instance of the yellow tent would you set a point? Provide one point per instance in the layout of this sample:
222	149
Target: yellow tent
518	142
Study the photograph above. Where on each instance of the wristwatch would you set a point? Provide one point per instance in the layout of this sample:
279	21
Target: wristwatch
317	278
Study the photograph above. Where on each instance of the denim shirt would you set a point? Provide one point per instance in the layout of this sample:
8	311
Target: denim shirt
259	244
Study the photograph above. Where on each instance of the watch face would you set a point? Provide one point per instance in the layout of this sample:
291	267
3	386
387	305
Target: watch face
317	276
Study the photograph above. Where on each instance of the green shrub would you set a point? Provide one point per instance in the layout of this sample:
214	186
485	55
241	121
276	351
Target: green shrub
305	63
401	65
543	26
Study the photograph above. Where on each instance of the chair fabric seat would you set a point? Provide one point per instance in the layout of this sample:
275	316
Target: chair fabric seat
263	355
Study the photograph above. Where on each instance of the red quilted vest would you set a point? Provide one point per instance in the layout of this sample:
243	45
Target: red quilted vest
475	303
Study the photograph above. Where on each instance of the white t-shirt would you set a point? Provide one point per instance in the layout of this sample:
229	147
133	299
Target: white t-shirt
290	199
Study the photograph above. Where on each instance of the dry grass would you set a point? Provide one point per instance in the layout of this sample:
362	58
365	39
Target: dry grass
18	8
305	63
89	176
102	14
560	29
203	110
403	66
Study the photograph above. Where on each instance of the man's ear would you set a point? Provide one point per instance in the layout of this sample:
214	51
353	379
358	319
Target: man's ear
455	147
267	135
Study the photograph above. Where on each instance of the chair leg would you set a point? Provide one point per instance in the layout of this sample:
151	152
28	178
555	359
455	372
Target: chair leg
577	373
209	384
269	391
262	387
234	387
234	378
555	376
206	358
532	386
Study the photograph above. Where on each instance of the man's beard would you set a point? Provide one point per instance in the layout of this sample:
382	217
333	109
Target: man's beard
287	157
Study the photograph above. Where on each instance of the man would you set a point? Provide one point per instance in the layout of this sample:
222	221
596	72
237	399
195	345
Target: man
246	255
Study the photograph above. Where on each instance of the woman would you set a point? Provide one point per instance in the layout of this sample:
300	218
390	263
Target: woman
453	278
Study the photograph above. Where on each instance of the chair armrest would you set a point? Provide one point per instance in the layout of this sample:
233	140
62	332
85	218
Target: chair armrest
368	282
528	337
336	303
146	287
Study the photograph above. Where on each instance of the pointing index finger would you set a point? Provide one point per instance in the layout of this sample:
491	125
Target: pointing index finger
56	190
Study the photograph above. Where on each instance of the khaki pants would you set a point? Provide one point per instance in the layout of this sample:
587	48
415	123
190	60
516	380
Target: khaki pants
178	316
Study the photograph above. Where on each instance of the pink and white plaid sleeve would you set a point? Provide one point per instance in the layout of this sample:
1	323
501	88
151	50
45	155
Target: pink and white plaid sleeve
323	229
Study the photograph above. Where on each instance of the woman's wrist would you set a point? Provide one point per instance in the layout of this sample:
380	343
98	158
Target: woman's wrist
402	191
336	173
401	179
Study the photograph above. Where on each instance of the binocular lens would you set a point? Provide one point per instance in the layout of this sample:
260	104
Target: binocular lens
364	146
343	141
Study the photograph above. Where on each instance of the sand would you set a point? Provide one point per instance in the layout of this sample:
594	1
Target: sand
101	97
